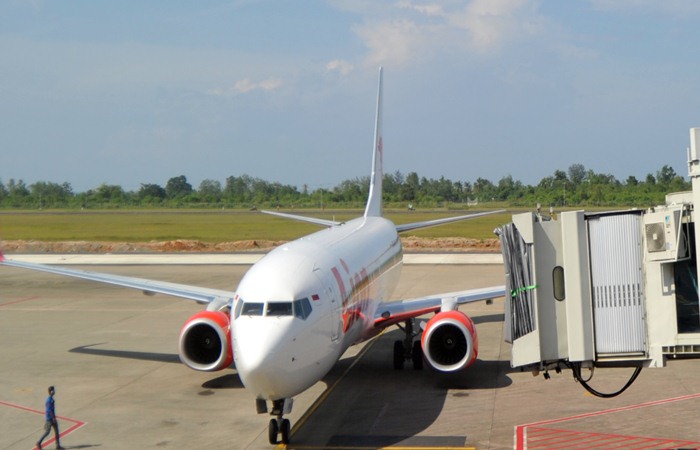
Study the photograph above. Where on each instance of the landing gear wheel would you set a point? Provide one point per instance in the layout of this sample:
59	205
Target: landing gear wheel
417	356
285	428
398	355
272	431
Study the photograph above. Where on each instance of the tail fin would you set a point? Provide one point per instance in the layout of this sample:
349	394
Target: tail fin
374	202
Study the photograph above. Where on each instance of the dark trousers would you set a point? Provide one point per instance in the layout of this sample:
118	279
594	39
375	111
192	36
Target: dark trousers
47	429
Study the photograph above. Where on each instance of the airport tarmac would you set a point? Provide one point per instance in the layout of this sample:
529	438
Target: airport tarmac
112	355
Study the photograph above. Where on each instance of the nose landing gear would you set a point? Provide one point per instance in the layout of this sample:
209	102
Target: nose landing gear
279	428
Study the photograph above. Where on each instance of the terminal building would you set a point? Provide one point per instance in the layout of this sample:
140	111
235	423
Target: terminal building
605	289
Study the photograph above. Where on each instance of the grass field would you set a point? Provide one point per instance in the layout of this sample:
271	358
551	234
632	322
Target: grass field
209	226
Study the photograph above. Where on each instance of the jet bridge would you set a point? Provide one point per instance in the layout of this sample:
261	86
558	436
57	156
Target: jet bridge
605	289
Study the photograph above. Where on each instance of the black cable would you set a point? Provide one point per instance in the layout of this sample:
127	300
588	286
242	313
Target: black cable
576	369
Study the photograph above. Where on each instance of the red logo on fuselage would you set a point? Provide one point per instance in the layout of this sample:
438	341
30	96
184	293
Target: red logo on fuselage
355	302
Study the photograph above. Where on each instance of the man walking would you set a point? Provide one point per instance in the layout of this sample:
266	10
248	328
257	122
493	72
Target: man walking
51	421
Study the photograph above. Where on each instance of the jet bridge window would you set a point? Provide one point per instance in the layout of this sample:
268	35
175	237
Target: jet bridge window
279	309
302	308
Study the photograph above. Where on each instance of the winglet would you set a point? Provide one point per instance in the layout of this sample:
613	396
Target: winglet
374	202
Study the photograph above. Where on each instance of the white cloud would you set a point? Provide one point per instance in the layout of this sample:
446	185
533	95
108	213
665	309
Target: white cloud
670	7
394	42
270	84
411	31
245	85
426	9
340	65
491	23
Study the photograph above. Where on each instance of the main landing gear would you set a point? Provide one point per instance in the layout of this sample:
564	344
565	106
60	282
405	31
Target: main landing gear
408	349
279	428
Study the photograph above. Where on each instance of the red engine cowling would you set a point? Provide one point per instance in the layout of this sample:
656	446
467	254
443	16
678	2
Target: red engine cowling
449	341
205	341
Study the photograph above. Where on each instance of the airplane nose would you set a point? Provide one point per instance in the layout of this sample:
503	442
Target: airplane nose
263	354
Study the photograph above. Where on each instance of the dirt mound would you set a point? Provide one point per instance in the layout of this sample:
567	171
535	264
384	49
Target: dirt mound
410	244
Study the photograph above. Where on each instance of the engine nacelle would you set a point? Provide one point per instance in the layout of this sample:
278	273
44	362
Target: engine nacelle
205	341
449	341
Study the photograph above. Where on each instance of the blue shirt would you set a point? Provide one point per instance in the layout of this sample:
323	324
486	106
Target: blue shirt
50	409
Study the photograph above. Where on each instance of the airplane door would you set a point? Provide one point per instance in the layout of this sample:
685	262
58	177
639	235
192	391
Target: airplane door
336	305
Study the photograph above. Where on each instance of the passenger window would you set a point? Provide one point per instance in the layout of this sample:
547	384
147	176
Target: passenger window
279	309
302	308
252	309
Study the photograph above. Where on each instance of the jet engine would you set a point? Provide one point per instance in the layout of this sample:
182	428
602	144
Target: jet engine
449	341
205	342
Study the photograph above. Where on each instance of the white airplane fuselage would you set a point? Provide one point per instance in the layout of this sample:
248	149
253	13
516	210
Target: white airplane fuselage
343	272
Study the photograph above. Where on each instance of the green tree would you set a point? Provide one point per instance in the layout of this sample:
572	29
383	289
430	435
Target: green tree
665	175
178	188
410	188
577	174
151	193
109	194
51	195
484	190
210	191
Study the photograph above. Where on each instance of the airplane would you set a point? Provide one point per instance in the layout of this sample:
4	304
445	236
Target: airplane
298	309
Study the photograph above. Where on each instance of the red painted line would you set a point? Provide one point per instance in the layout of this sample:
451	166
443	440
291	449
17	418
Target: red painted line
76	423
522	431
21	300
555	440
341	285
607	440
345	266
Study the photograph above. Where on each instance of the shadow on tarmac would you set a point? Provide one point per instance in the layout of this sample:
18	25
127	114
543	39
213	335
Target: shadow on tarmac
142	356
228	381
490	318
377	406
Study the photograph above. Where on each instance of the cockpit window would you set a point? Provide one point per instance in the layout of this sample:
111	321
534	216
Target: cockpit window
302	308
237	308
279	309
252	309
299	308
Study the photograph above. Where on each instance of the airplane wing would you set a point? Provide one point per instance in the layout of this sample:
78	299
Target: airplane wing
391	313
149	287
325	223
432	223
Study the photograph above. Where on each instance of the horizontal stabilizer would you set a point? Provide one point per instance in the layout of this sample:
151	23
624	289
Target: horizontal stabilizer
325	223
436	222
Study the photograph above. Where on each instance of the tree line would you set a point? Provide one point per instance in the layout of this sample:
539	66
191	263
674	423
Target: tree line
574	187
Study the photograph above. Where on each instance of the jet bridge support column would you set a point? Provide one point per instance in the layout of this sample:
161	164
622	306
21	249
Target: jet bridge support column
694	174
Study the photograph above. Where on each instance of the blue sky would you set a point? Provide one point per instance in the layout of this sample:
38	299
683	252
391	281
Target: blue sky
133	92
